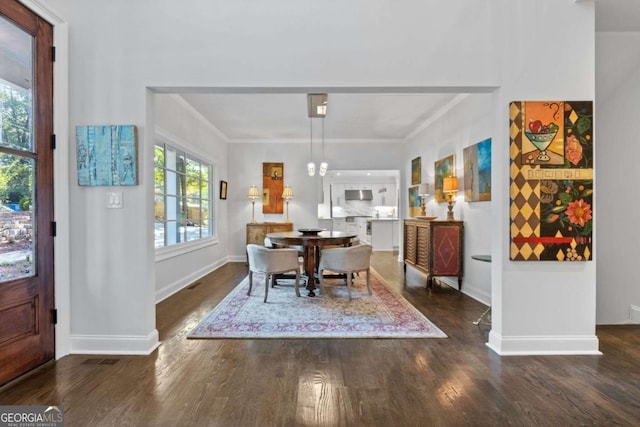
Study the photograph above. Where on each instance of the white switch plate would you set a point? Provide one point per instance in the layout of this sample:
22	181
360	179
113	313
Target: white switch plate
114	199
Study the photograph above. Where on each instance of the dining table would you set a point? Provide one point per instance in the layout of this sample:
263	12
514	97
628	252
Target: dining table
312	243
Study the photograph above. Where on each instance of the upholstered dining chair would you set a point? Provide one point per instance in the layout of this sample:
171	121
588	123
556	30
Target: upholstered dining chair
348	260
271	262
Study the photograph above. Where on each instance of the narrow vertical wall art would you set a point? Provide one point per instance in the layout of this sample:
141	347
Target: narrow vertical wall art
551	211
477	171
272	187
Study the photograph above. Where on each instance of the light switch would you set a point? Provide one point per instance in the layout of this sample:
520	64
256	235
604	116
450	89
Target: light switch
114	199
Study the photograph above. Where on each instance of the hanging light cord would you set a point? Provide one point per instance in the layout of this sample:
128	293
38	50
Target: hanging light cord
310	140
323	158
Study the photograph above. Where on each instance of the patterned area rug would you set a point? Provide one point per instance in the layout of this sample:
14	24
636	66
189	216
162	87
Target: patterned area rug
385	314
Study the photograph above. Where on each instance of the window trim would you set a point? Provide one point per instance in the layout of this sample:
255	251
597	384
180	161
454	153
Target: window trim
167	252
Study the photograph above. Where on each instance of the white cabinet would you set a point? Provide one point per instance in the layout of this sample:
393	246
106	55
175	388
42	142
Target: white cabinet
339	224
362	230
384	195
352	227
337	195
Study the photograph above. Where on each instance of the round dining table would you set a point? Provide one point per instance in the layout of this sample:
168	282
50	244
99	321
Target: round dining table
312	244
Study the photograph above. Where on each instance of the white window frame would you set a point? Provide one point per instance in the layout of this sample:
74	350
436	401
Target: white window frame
170	251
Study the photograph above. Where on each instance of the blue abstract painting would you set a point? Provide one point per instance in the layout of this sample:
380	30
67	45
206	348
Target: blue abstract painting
477	172
107	155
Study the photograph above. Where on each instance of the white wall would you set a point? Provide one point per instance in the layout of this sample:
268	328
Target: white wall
178	124
119	49
245	169
465	124
539	307
618	151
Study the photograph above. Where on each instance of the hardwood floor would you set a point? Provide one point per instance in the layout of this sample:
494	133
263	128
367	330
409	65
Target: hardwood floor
456	381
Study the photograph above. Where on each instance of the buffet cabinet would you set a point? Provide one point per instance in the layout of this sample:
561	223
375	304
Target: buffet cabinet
434	247
257	231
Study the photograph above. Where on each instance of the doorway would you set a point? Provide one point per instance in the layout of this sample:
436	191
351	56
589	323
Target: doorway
27	314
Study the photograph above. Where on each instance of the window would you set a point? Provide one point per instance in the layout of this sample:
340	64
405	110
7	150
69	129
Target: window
182	205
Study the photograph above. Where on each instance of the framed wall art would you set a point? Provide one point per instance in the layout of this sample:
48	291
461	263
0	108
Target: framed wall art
272	188
416	171
107	155
444	168
551	180
414	201
223	190
477	171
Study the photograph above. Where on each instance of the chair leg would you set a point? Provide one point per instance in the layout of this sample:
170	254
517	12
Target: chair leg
349	285
321	281
368	286
298	283
250	282
266	287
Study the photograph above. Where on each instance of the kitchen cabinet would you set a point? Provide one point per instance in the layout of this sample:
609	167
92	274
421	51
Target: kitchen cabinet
339	224
337	195
362	230
434	247
384	195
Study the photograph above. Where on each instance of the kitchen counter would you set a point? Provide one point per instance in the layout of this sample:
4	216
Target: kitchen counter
383	219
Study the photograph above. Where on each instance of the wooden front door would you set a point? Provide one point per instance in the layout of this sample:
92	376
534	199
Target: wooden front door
26	191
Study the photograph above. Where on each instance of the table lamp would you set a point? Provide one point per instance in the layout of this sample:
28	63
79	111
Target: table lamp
286	195
253	195
423	192
450	187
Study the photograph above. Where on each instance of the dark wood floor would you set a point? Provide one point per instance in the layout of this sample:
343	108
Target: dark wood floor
456	381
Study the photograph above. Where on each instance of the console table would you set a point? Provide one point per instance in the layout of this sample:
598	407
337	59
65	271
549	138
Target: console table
257	231
434	247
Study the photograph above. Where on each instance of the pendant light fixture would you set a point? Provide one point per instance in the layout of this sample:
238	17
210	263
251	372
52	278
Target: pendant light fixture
311	167
316	107
324	165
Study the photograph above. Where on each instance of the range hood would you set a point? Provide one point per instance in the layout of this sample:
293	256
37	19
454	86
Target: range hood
358	195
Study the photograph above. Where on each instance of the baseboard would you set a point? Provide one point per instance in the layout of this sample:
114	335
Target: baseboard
178	285
634	313
543	345
115	344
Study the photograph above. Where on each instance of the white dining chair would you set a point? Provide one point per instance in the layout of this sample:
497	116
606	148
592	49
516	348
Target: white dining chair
347	260
271	262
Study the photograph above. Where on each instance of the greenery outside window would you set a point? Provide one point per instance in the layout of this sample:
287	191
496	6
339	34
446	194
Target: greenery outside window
183	202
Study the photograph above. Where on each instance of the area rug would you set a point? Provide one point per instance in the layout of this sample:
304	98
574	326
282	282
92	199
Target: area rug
384	314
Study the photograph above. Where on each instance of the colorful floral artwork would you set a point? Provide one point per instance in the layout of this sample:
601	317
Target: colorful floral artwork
551	180
477	171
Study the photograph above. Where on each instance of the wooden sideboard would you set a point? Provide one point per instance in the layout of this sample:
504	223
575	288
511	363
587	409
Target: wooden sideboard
256	231
434	247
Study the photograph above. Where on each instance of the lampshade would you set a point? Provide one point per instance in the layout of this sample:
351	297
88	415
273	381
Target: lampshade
253	192
324	166
450	184
423	190
287	193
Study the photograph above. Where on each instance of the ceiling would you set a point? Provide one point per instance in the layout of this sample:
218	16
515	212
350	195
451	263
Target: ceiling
353	115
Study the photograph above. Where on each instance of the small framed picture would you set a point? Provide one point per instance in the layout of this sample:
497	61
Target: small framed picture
223	190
